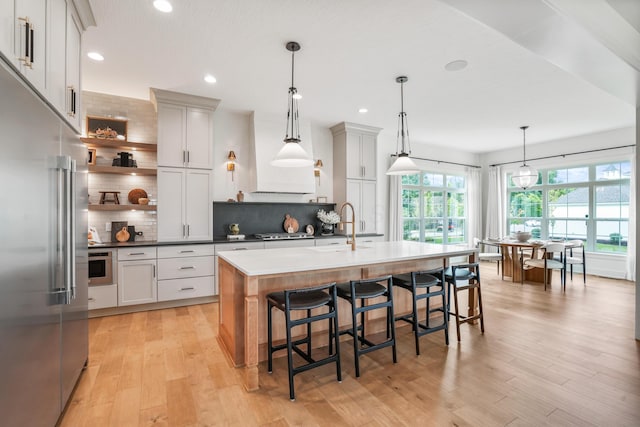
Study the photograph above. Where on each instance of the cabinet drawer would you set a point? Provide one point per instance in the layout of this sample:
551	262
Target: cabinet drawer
185	288
239	246
332	241
103	296
125	254
185	251
176	268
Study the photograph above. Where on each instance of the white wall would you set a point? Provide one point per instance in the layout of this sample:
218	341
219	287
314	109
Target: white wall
599	264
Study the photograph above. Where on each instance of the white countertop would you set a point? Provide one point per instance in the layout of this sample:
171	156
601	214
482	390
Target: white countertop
289	260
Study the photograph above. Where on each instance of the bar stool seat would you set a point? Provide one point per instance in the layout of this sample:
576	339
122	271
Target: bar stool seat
432	282
464	272
305	299
363	290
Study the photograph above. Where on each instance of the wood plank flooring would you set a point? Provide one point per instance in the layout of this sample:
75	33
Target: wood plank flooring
546	358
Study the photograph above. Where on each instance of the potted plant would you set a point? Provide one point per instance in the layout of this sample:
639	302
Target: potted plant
328	221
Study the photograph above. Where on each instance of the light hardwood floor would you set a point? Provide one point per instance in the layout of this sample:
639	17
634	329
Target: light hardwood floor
546	358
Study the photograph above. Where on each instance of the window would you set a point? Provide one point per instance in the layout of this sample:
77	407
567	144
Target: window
590	203
434	207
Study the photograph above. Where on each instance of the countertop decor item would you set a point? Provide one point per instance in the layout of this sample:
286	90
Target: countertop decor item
522	236
106	128
310	230
330	217
291	224
240	196
143	201
123	235
234	228
136	194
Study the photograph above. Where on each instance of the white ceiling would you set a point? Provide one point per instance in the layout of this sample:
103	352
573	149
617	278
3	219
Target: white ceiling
352	51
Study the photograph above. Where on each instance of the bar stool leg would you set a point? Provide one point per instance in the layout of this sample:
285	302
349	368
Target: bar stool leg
455	301
290	355
356	345
270	337
416	328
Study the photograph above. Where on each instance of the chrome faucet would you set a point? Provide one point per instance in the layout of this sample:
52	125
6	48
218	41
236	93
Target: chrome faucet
352	222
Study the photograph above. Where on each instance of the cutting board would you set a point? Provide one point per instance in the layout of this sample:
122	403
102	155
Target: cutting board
290	224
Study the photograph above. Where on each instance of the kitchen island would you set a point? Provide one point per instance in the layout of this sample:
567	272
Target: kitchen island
245	277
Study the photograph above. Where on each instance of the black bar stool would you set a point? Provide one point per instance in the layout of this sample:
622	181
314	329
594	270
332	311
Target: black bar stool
363	290
467	272
305	299
432	281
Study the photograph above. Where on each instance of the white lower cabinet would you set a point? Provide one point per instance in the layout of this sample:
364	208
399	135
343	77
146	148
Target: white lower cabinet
185	271
192	287
137	278
103	296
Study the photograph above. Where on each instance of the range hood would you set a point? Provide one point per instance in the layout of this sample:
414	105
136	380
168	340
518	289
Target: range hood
266	136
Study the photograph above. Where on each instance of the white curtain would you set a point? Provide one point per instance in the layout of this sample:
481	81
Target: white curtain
395	207
474	197
496	204
631	239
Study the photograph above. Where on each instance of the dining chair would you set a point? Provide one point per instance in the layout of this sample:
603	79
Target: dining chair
575	258
489	256
547	262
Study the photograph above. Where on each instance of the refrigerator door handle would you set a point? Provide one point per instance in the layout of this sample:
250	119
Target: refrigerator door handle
65	224
72	231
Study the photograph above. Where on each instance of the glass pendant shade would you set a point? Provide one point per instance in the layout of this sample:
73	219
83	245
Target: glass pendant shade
292	155
525	176
403	164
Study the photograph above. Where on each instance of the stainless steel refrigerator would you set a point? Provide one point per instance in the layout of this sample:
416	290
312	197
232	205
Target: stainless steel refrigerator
43	260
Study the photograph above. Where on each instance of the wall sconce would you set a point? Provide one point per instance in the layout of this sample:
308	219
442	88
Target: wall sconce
316	169
231	164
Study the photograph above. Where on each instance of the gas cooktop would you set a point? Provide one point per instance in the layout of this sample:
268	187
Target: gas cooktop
283	236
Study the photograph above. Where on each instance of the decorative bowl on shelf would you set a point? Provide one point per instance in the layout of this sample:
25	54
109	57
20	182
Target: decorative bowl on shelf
522	236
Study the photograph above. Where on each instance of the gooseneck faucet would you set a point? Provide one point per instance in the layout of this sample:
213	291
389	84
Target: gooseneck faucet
352	222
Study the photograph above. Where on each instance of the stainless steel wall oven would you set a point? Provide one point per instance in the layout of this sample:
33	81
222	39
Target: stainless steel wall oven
102	267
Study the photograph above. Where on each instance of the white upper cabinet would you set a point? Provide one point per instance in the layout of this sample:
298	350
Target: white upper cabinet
354	151
362	195
7	29
185	129
361	155
42	38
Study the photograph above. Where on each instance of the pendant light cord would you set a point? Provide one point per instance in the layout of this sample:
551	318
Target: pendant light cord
524	145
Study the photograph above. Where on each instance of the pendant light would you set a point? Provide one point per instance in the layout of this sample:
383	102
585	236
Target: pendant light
292	154
525	176
403	164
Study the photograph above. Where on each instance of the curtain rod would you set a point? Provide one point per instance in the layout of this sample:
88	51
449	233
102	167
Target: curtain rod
442	161
567	154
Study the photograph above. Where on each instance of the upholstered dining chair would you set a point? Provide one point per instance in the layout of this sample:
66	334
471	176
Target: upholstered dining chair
547	262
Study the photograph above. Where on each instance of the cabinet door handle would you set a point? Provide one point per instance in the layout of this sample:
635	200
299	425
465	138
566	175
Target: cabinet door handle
189	267
91	299
27	24
184	228
135	253
240	249
334	243
187	252
31	57
191	288
154	271
184	156
188	230
188	156
72	102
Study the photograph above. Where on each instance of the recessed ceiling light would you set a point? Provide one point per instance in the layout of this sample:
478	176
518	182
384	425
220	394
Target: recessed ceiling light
363	110
162	6
457	65
209	78
95	56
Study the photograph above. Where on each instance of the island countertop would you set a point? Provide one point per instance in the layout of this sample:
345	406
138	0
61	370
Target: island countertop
246	277
290	260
